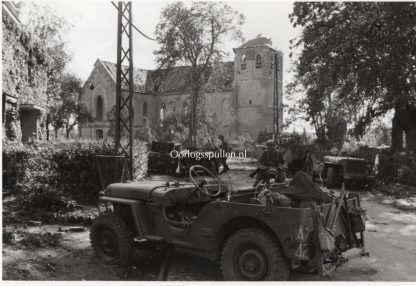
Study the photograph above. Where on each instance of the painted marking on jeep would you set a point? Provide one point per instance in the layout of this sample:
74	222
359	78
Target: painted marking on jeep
299	237
302	252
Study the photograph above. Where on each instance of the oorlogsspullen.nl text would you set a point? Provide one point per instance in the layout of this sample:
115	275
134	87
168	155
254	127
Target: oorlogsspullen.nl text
198	155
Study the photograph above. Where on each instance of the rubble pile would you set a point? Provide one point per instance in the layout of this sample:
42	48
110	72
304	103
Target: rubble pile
44	239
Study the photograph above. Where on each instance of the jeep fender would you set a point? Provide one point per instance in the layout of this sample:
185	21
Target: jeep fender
138	212
283	223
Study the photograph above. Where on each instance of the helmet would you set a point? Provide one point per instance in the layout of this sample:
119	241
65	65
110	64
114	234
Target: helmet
270	143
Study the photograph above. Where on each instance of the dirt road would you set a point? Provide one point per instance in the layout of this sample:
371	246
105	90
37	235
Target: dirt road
390	239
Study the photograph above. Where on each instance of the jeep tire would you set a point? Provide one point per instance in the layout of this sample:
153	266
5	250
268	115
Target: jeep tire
254	255
111	239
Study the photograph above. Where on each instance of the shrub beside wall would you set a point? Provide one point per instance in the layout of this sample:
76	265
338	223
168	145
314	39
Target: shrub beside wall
39	175
401	167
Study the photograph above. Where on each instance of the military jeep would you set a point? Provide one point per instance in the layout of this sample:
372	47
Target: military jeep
251	239
198	156
160	159
352	171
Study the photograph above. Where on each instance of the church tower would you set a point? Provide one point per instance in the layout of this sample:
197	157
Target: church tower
258	87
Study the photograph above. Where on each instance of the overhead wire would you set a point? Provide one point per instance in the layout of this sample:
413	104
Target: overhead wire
128	20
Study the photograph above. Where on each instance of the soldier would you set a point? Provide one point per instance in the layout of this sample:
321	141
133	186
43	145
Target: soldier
224	147
271	158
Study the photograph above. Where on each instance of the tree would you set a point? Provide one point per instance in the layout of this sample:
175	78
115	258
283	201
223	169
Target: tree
73	110
145	132
357	62
193	36
46	29
111	118
378	134
68	110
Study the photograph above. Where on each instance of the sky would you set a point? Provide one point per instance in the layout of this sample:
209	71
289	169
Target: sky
94	30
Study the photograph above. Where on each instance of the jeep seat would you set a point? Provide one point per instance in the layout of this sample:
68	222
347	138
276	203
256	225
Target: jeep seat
246	190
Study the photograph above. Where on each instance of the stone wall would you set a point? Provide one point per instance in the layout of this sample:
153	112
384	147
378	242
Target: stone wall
103	86
23	81
254	89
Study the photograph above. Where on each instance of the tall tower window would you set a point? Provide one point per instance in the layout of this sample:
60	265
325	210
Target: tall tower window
162	112
144	111
243	62
185	109
100	108
258	62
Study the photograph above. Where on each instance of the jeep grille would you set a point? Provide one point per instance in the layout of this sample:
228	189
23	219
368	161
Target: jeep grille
356	166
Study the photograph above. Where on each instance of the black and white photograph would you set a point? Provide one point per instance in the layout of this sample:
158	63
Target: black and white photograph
208	141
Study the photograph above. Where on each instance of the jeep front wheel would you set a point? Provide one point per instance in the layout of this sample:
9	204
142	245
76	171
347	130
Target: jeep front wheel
111	239
253	255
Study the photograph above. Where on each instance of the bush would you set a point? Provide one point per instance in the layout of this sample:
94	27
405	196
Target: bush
285	140
243	143
41	175
399	166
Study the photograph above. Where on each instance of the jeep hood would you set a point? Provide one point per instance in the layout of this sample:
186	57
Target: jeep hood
134	190
144	190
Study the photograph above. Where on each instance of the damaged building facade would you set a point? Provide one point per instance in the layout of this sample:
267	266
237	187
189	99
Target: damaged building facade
23	80
245	100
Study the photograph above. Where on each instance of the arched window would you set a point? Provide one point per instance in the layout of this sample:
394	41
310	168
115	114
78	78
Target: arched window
99	109
243	62
144	109
162	112
258	62
171	108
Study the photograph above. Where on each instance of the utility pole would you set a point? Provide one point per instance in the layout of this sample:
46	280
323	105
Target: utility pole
276	95
275	98
124	82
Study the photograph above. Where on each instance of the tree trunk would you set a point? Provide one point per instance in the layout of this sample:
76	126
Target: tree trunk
404	120
47	128
68	128
396	132
410	128
411	139
192	126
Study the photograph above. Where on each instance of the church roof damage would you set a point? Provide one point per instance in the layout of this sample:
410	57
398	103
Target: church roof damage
174	80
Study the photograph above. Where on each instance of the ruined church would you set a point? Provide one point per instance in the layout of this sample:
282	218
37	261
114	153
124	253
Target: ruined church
247	100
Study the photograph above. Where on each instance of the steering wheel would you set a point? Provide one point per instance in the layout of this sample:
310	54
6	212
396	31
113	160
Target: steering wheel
202	184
